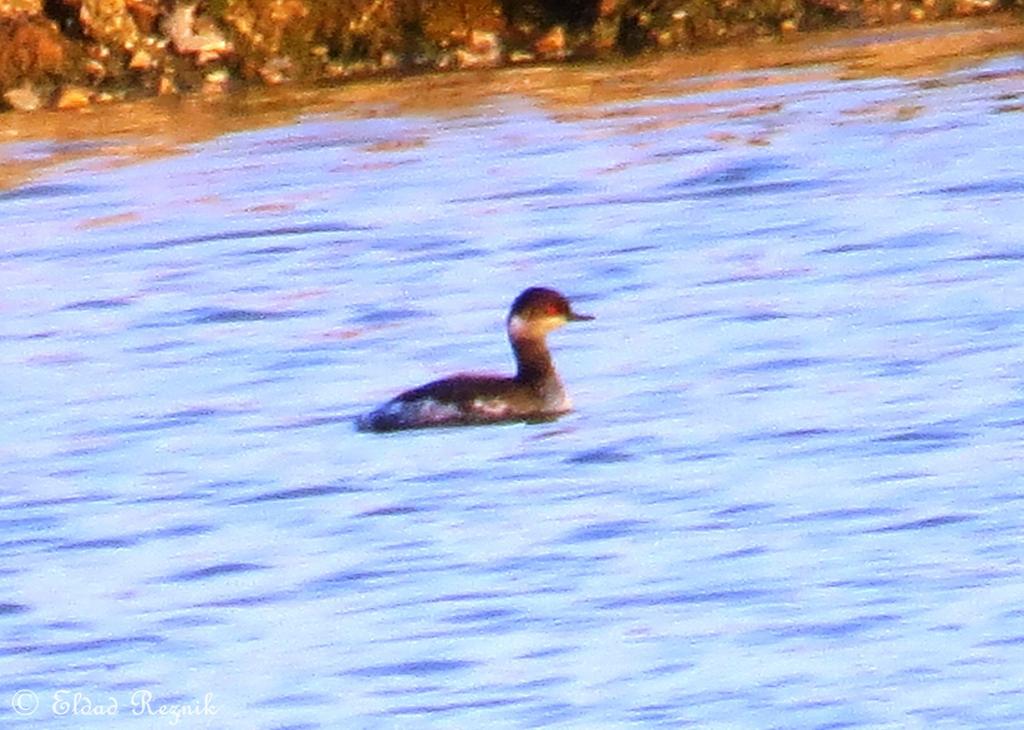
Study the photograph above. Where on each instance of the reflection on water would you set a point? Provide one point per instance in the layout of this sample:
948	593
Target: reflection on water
790	489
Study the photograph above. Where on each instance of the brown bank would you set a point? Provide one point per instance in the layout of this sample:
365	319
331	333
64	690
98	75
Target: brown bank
72	53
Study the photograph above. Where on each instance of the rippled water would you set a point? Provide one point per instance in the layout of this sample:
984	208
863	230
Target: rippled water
790	495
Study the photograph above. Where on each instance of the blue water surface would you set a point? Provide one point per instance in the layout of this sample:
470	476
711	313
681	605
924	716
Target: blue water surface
790	495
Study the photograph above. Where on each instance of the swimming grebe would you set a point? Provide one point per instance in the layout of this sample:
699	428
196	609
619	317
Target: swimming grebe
535	392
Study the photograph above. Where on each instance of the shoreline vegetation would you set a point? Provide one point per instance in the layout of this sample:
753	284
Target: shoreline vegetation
72	54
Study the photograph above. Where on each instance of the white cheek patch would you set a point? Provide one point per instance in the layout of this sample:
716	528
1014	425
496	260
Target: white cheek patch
518	327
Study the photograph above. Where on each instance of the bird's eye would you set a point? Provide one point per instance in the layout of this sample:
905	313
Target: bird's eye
551	310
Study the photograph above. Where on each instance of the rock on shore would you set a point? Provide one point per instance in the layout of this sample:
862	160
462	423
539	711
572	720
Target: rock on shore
63	53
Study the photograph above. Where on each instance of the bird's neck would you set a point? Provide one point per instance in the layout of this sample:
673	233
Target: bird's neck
533	361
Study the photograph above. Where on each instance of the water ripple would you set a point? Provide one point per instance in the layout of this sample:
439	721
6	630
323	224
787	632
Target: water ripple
213	571
425	667
926	523
790	488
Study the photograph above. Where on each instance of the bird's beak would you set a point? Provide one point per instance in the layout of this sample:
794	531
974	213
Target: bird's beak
576	317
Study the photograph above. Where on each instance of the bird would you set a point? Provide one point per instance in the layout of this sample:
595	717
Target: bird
534	393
